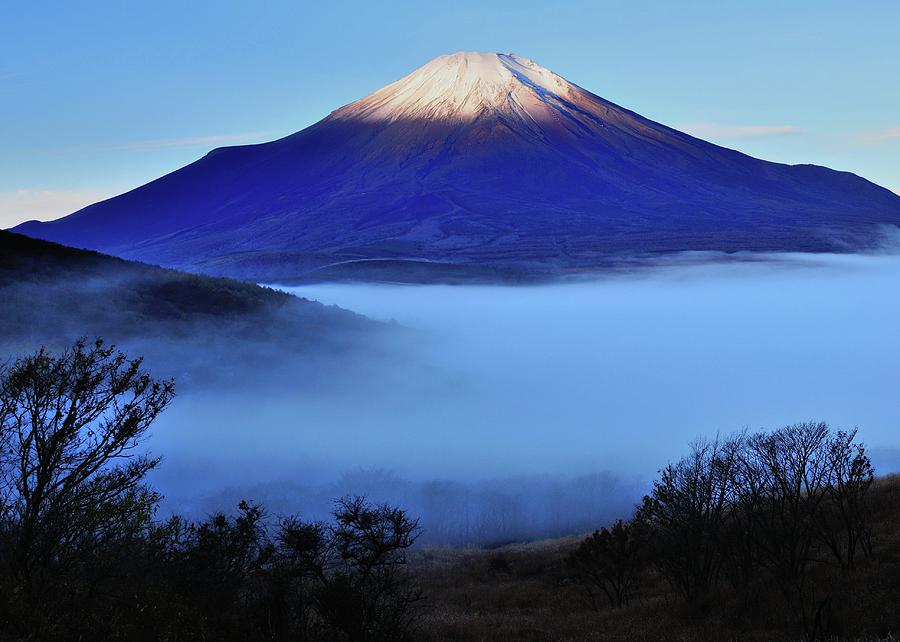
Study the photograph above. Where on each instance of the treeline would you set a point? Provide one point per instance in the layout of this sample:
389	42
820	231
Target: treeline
83	557
482	513
753	516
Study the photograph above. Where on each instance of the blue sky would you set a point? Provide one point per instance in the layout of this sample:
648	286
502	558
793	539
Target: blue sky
99	97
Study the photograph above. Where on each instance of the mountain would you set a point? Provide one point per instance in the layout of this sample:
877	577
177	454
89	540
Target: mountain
474	163
196	328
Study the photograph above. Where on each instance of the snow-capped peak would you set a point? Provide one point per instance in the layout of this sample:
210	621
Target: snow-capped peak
462	86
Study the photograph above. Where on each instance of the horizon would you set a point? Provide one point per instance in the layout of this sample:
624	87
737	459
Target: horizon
123	129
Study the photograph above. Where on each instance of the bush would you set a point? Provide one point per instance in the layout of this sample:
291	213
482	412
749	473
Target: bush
348	577
610	560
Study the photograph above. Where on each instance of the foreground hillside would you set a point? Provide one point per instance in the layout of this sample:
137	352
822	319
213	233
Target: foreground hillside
192	326
530	592
474	166
534	592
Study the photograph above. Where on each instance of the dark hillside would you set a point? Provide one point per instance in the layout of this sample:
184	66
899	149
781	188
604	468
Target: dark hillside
187	325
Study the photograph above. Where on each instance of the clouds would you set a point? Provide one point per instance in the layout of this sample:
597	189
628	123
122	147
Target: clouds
720	131
21	205
190	141
880	135
710	130
202	142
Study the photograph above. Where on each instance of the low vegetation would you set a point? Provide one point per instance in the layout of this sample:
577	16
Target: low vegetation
83	557
770	535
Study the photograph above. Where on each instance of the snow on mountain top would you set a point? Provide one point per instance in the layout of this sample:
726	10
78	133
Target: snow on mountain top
462	86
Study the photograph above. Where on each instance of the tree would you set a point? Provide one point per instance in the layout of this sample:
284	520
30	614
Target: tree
245	578
801	490
794	475
216	573
688	512
82	556
352	571
70	481
610	559
844	525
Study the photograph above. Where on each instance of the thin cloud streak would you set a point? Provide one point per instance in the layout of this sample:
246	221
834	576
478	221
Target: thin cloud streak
716	130
190	141
880	135
199	142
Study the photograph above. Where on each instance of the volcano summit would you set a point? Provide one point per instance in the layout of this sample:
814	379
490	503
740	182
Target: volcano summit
480	164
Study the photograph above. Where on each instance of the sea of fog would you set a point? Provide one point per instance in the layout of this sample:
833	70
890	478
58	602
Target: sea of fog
534	398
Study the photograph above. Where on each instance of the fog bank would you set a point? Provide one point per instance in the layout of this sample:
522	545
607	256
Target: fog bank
613	375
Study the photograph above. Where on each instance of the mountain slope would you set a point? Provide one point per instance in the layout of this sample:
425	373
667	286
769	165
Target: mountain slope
194	327
477	161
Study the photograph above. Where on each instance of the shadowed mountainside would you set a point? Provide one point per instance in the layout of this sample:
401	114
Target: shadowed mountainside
187	325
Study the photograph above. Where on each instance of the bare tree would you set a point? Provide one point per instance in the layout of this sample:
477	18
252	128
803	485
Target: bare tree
688	512
843	524
794	475
803	488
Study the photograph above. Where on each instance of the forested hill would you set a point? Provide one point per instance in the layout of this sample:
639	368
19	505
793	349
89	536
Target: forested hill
160	292
54	294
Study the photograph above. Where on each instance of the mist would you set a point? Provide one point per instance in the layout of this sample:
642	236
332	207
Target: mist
558	402
494	413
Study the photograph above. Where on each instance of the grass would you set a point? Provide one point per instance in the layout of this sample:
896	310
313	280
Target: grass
526	592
